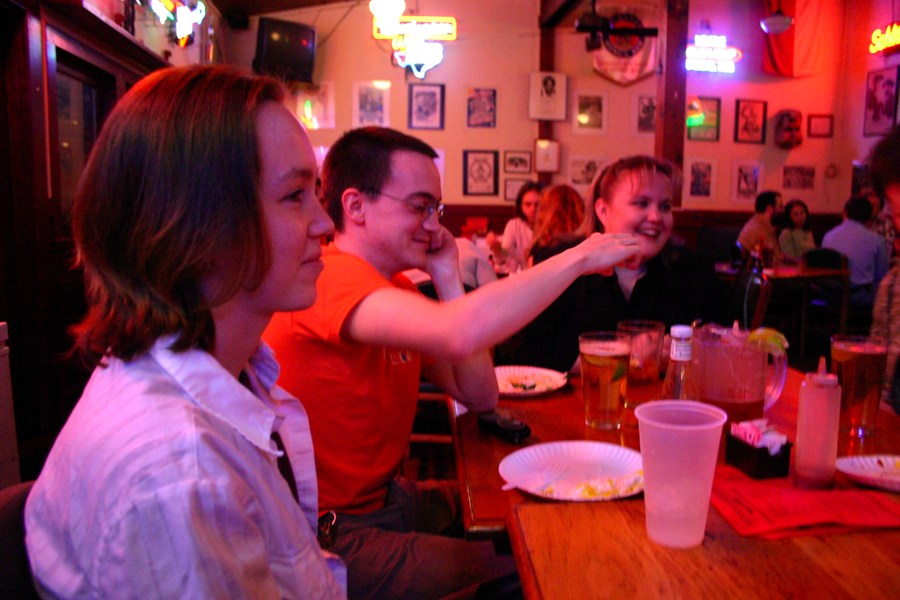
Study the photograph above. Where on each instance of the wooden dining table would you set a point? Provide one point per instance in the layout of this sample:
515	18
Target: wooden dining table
601	549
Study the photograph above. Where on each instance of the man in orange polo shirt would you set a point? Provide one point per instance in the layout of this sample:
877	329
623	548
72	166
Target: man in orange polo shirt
356	355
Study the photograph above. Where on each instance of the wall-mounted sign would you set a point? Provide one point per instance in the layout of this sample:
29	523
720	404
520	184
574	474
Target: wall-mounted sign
418	55
181	14
711	53
437	29
884	40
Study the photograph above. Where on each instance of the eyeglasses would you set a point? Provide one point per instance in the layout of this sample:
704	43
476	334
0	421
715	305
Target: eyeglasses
418	205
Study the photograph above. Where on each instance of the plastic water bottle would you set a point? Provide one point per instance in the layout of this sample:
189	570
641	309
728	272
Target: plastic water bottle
818	416
680	382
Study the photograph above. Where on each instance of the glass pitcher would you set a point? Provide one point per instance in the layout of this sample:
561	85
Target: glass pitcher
736	374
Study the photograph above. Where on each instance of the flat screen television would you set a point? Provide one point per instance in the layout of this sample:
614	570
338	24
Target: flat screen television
285	49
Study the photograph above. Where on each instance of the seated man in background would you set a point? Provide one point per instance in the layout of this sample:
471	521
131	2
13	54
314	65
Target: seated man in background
864	249
884	164
171	477
760	228
358	352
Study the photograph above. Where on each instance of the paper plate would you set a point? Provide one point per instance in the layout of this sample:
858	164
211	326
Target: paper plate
583	471
523	382
876	470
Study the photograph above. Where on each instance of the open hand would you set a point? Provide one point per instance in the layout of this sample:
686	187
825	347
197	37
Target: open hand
604	251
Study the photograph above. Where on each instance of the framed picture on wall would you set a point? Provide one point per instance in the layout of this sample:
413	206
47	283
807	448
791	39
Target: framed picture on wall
799	178
881	101
750	121
426	106
590	110
746	181
546	156
511	188
704	113
517	161
701	174
371	104
315	105
820	126
480	177
583	169
645	114
481	107
547	96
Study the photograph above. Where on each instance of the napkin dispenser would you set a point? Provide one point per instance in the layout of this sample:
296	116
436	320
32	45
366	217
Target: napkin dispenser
757	450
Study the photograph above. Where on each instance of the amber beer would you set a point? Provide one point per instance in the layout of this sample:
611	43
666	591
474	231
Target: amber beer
604	364
859	363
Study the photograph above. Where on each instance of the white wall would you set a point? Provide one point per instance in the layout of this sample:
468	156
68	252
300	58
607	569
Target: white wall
498	47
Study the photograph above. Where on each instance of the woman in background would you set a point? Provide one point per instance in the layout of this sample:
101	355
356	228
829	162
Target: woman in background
667	283
557	224
796	239
512	248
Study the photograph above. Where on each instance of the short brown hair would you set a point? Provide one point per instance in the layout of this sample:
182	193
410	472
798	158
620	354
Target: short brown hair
168	196
361	159
605	184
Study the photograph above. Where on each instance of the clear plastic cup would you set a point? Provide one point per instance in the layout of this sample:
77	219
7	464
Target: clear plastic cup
679	446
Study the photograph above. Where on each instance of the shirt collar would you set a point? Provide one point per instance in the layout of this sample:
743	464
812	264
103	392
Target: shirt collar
214	389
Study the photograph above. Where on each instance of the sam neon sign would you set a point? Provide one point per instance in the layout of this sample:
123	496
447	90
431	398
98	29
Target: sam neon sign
712	54
184	16
889	38
438	29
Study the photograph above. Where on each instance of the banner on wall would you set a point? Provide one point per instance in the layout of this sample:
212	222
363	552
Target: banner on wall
796	52
626	59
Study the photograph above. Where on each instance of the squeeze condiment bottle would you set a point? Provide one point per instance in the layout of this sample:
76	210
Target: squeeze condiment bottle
818	415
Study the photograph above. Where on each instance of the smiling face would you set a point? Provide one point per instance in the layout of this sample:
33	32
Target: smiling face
398	236
641	204
530	203
292	215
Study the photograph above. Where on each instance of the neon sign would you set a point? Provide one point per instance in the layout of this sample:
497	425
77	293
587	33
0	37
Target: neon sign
712	54
439	29
882	41
417	54
181	14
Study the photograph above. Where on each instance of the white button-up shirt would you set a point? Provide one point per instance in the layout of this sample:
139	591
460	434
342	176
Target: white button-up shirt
164	483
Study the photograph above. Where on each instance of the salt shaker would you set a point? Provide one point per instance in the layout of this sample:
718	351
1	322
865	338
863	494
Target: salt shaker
818	414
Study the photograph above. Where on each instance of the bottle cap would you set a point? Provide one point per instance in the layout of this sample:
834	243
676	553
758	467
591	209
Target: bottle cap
822	378
682	331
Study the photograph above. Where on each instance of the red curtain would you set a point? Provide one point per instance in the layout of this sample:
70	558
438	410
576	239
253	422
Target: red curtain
794	53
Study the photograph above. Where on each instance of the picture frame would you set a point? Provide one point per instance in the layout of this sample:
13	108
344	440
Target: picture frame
546	156
708	131
798	178
750	121
511	187
547	96
481	107
819	126
583	169
701	178
589	111
315	105
371	104
746	181
644	117
517	161
480	177
425	108
881	102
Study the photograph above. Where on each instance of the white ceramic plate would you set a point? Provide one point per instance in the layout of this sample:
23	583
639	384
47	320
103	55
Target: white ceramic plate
579	470
876	470
522	382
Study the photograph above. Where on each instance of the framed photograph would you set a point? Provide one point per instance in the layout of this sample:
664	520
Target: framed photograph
480	176
798	178
426	106
645	114
547	96
881	101
701	174
706	130
517	161
371	104
589	110
546	156
481	107
315	105
750	121
582	170
511	188
746	182
820	126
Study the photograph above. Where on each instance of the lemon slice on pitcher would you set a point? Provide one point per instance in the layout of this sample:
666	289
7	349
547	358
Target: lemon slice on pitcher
771	340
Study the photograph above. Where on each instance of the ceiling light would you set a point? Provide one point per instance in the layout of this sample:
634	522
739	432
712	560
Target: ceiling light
777	22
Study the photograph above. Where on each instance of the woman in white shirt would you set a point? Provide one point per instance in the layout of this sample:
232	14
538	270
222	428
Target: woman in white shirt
512	248
796	239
